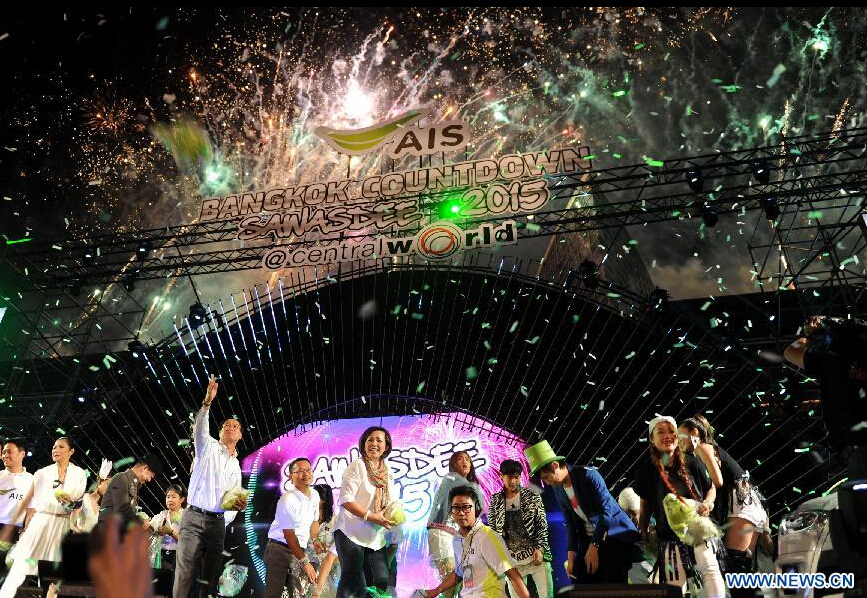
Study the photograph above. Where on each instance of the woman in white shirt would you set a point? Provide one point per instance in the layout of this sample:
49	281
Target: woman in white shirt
366	492
55	491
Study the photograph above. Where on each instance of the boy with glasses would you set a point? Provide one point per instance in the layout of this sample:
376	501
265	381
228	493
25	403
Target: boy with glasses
481	557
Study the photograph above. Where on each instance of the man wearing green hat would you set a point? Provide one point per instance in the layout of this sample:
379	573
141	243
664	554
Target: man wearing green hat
601	537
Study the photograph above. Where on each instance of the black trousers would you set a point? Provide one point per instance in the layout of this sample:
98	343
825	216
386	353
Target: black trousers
360	567
615	560
202	538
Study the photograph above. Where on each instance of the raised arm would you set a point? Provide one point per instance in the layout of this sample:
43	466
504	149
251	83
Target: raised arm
201	432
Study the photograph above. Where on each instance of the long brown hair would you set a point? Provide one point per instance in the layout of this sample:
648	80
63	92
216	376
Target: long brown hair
678	460
704	426
471	476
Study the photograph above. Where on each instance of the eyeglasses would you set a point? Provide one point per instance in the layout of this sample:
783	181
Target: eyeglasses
461	508
302	471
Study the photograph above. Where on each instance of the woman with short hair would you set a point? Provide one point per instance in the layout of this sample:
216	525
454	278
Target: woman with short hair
365	493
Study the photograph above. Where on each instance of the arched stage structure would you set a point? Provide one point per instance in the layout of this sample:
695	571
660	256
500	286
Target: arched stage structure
582	366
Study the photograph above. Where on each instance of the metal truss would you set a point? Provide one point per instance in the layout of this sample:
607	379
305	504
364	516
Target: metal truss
813	171
818	183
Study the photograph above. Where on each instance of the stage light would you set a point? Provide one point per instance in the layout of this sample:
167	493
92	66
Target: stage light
709	215
197	315
588	272
143	249
136	348
129	280
83	393
659	299
761	171
695	180
771	207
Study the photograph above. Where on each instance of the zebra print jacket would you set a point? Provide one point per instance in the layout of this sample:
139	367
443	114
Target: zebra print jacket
533	513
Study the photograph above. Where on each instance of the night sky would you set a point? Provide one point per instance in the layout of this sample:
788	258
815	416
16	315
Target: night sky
84	90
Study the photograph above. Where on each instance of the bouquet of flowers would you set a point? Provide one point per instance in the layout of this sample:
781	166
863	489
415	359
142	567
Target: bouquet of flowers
691	528
394	512
232	495
232	580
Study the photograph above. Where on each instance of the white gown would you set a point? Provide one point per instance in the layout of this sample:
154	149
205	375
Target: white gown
42	539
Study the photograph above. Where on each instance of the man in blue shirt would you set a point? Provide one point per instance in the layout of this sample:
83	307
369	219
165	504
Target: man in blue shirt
601	537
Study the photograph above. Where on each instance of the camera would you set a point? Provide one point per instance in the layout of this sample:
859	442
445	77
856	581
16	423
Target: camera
843	336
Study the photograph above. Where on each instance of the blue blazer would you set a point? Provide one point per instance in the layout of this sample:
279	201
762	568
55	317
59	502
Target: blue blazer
606	516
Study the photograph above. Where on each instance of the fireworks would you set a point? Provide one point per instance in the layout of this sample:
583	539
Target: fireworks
234	110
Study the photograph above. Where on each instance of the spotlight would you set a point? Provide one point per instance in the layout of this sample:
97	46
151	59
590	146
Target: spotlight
89	256
197	315
761	171
143	249
771	207
83	393
659	299
129	280
588	272
709	215
695	180
136	348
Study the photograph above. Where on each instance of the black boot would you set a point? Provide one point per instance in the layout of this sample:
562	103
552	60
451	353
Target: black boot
741	561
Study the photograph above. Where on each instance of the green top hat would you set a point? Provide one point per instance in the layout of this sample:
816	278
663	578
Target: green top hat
539	455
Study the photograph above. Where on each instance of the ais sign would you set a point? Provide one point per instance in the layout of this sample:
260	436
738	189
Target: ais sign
385	204
404	139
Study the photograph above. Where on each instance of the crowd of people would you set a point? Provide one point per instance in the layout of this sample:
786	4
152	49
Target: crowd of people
317	548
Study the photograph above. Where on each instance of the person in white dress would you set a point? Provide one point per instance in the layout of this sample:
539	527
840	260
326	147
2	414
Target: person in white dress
55	490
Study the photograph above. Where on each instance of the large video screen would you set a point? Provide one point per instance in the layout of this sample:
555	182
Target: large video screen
422	446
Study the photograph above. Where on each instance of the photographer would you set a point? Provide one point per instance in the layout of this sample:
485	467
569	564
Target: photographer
834	352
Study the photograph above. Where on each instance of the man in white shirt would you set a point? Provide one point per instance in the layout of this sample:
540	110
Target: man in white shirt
286	563
15	483
203	526
481	557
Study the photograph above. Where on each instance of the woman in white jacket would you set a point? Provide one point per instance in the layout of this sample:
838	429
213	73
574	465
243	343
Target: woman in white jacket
365	493
56	489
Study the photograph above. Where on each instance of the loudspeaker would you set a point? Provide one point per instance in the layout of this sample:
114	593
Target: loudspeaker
620	591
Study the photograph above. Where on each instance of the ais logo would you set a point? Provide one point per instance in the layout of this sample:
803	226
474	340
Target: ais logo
404	138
